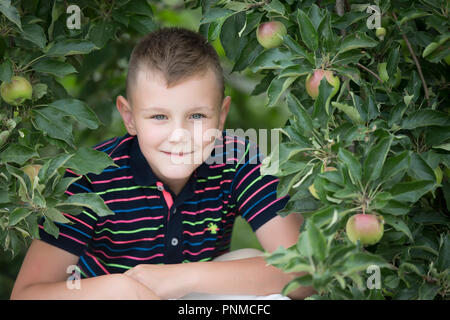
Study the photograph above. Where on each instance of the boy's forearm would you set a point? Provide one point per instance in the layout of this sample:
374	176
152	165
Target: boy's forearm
107	287
250	276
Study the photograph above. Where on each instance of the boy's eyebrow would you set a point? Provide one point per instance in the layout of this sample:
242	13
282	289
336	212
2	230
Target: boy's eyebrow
156	108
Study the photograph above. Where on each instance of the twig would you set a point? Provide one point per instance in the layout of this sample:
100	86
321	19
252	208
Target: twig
419	69
370	71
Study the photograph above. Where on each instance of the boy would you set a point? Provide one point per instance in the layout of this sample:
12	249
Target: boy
171	205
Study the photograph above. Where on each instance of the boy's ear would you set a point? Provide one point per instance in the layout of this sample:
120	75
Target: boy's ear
126	112
224	111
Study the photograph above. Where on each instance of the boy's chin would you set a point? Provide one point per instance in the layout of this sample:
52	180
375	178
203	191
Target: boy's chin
179	172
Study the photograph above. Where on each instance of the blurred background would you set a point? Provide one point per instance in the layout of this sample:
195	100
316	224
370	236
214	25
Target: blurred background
101	78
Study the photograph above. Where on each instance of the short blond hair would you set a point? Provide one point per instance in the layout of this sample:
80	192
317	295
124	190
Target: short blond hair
175	53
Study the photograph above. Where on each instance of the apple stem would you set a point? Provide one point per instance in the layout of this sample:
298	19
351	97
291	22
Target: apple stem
370	71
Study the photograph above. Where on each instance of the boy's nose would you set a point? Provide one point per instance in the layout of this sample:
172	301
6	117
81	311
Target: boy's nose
179	134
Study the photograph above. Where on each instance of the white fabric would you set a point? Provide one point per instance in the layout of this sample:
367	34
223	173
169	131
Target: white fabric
234	255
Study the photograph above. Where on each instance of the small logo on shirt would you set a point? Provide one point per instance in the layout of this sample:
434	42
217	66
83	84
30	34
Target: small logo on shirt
213	228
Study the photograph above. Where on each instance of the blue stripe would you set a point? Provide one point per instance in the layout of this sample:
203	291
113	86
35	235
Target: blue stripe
87	266
110	147
137	209
82	187
237	173
74	229
127	249
115	169
203	200
200	243
243	216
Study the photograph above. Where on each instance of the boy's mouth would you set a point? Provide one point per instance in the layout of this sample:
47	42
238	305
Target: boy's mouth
177	154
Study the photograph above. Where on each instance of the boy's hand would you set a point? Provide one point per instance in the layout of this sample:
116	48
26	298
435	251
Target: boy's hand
167	281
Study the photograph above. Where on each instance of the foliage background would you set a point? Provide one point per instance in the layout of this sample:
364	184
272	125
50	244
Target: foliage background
102	76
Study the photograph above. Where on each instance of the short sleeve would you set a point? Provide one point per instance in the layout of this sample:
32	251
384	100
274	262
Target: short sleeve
75	236
254	194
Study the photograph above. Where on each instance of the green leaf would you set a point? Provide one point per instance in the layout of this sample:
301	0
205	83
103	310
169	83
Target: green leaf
394	165
229	36
297	49
142	24
77	109
305	281
35	34
307	31
350	111
56	215
87	160
214	14
353	165
89	200
398	224
317	241
54	67
10	12
54	123
6	71
376	157
411	14
50	168
17	153
411	191
17	215
277	88
271	59
51	228
68	47
360	262
100	32
303	117
428	291
356	40
425	118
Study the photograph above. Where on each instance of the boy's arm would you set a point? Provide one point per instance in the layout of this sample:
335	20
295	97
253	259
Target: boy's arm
253	275
250	276
43	275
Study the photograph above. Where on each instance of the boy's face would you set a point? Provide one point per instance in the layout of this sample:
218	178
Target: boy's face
176	126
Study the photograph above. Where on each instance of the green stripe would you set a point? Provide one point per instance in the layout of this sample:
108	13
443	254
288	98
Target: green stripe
254	181
125	188
229	170
130	231
243	157
200	222
89	215
206	259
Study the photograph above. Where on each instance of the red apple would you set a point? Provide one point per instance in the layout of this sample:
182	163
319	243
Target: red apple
313	81
367	228
270	34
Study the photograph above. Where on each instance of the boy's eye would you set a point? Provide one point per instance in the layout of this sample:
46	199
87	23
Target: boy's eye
158	117
198	116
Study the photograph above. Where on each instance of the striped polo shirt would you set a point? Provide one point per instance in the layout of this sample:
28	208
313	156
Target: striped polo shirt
152	225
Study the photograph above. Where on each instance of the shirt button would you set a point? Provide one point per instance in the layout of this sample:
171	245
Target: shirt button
174	210
160	188
174	241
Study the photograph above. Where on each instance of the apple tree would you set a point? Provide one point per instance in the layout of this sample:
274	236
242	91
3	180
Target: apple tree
365	156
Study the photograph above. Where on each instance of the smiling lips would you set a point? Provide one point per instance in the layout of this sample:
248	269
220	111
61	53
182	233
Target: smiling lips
177	154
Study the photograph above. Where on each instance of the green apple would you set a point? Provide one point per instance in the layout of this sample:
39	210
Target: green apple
16	91
270	34
313	81
367	228
380	33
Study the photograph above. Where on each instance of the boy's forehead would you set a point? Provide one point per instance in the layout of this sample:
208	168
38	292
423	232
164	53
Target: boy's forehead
206	82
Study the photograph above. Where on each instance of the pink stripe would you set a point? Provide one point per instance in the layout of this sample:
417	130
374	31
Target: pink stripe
69	193
207	209
217	166
197	253
129	257
265	208
72	172
120	158
195	233
230	214
130	241
206	189
114	179
235	159
98	263
120	144
267	184
67	236
130	221
107	142
130	199
82	222
234	140
248	175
